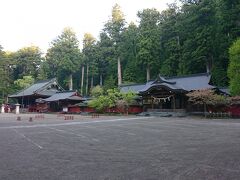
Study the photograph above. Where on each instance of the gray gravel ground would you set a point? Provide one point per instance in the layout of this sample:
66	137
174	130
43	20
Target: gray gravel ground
118	148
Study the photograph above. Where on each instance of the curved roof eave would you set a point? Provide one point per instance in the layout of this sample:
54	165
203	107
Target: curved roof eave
165	86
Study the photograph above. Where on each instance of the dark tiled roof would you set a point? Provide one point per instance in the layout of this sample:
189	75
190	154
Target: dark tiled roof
39	88
76	98
181	83
193	82
133	88
48	93
71	95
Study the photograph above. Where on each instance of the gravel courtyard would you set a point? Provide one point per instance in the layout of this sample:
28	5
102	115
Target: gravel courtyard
121	147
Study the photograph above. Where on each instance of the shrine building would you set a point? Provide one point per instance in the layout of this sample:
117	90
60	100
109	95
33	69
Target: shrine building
169	93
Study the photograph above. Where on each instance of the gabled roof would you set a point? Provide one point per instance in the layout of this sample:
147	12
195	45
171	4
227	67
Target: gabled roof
42	88
178	83
65	95
193	82
161	79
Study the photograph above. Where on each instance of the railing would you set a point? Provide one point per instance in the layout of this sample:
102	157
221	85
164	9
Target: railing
218	114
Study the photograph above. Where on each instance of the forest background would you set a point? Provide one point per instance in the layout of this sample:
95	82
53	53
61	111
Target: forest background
190	36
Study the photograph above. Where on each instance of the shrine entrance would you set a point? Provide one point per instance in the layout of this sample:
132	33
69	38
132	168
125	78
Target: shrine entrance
162	98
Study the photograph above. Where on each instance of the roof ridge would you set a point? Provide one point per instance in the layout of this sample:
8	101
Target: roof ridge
47	83
181	76
66	91
188	75
134	84
40	84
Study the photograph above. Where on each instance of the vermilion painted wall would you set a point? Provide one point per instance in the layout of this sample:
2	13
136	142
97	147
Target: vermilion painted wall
132	109
77	109
74	109
235	110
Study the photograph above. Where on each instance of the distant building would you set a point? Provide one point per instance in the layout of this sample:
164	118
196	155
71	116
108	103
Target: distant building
60	101
46	96
40	89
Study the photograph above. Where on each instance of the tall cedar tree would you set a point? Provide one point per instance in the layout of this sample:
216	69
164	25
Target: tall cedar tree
64	57
149	39
89	52
131	69
104	55
114	28
180	40
28	60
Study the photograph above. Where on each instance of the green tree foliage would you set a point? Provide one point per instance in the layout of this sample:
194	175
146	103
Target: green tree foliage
110	83
64	57
3	75
127	99
28	60
105	54
7	69
112	98
227	30
25	82
100	104
115	26
90	58
106	101
197	29
44	71
96	91
234	68
170	48
183	39
114	29
131	69
149	39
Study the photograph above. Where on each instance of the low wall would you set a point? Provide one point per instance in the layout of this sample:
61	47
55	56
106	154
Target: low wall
131	110
167	110
234	110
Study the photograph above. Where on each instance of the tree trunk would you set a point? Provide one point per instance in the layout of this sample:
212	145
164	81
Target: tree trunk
207	67
3	95
6	99
87	80
82	80
70	82
92	81
119	72
148	72
101	79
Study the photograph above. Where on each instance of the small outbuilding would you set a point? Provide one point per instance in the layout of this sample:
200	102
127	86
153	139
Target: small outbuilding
60	101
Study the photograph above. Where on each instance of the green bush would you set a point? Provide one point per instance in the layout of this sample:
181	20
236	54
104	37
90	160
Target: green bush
112	98
96	91
234	68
